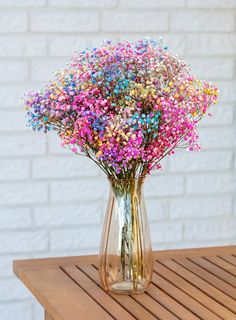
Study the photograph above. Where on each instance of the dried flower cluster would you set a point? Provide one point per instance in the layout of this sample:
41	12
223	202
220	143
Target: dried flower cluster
125	106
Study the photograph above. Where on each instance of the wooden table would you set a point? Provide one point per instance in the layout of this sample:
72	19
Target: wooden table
187	284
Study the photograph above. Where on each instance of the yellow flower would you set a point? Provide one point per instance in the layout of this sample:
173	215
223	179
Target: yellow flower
99	153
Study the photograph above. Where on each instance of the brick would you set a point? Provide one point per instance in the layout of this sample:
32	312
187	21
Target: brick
175	43
227	91
22	3
65	22
158	186
12	289
210	4
13	22
22	145
39	312
62	46
79	190
200	207
66	252
15	218
83	4
23	241
14	169
73	239
69	215
201	161
22	46
210	184
211	69
211	45
10	95
16	119
54	145
222	114
210	229
152	4
43	70
202	21
23	309
134	22
194	244
64	167
6	264
157	209
6	267
11	70
221	137
23	193
162	232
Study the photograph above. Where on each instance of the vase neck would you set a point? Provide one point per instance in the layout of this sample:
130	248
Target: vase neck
124	186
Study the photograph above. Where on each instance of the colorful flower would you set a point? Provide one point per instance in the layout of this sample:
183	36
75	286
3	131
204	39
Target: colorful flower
125	106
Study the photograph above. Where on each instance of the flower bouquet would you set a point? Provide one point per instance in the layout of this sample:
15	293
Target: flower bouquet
124	106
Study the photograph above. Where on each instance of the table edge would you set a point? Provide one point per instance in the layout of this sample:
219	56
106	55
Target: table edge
54	261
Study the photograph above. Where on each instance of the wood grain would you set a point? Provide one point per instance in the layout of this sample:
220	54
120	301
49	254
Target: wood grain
47	316
188	284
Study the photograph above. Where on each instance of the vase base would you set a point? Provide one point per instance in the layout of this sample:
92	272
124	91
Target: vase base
126	287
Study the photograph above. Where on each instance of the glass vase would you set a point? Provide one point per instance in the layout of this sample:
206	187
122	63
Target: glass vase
125	258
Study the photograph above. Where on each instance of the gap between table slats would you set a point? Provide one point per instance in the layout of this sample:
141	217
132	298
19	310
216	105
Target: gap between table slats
189	283
97	294
183	298
223	264
51	287
224	302
207	276
215	270
143	302
230	258
227	302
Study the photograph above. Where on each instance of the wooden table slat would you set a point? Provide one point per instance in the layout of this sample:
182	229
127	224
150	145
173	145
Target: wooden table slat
99	295
207	276
225	305
51	286
155	307
215	270
126	301
47	316
223	264
168	302
189	284
230	258
193	291
183	298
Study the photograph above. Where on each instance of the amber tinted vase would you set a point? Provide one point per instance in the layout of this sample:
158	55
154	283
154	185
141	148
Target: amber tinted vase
125	259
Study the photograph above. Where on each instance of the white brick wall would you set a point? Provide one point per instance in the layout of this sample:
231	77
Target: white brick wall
51	202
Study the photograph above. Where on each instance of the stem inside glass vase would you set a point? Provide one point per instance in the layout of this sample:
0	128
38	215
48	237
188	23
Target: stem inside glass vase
125	259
